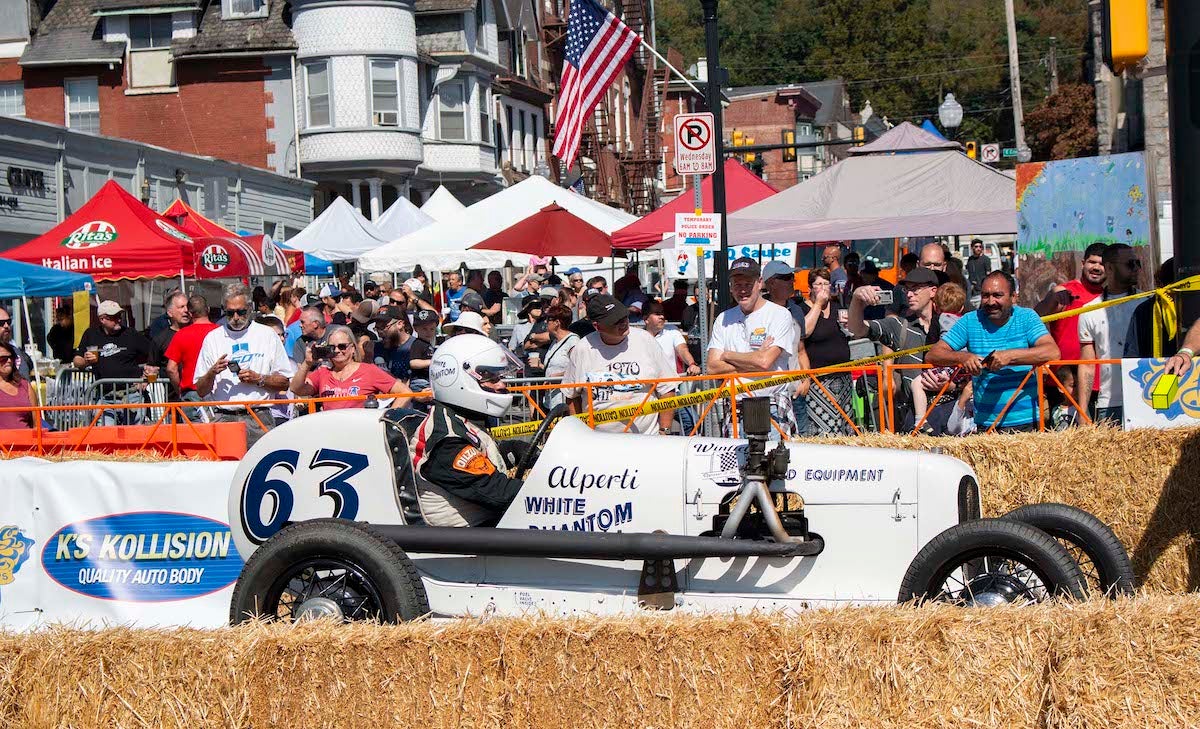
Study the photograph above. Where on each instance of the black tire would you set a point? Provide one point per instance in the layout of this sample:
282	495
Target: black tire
378	580
966	546
1110	570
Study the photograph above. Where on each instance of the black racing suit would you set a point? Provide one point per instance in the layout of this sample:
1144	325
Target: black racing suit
464	470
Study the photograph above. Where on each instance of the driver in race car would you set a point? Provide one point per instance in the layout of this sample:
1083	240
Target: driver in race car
464	470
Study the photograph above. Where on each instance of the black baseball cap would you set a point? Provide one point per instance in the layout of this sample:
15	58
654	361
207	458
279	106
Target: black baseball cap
391	313
745	266
472	301
425	316
921	277
604	309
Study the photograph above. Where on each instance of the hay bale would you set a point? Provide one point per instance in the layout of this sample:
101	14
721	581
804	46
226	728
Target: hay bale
1130	662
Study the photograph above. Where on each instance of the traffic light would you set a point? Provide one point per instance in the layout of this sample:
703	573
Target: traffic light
789	137
750	157
860	135
973	150
1126	30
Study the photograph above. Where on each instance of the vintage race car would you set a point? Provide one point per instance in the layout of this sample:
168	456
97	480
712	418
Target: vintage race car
326	511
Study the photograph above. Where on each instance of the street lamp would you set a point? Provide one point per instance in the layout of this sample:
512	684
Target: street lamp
950	114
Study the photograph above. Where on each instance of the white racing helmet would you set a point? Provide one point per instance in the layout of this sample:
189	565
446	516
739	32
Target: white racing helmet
462	363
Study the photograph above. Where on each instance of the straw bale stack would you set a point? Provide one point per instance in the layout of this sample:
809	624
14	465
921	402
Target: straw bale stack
1126	663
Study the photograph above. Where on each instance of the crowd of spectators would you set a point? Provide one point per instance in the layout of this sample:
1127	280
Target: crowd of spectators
272	346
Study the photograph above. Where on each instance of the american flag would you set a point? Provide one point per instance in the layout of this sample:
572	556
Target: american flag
598	45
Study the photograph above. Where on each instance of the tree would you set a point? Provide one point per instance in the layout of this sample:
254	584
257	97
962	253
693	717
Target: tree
1064	125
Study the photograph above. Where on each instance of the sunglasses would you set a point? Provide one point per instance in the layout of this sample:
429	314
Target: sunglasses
5	358
5	322
341	347
236	312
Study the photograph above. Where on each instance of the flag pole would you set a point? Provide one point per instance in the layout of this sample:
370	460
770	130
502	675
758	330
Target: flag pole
667	63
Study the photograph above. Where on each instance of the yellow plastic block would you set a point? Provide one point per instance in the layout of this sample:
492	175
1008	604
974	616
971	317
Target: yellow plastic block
1165	391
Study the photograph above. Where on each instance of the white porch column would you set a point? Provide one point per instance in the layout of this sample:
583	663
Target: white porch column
375	186
356	194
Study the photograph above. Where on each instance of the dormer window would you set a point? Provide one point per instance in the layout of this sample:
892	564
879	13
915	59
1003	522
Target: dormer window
233	9
149	31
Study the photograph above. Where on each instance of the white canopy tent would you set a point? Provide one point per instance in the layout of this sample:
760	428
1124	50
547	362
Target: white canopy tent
340	233
906	183
446	245
442	205
401	219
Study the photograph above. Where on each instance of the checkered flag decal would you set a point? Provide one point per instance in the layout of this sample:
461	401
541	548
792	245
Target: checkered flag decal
729	461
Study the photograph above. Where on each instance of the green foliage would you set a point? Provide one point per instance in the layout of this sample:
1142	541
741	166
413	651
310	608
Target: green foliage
1065	126
902	55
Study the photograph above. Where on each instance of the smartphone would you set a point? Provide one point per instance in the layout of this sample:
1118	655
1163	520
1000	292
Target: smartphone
988	359
234	367
886	297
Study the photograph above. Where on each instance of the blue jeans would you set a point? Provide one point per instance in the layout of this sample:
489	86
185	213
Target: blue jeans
124	416
1114	415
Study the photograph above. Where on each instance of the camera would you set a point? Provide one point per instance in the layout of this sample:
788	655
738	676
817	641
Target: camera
886	297
234	367
322	351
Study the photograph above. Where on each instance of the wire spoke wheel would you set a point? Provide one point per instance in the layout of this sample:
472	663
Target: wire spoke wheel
1102	558
324	587
985	578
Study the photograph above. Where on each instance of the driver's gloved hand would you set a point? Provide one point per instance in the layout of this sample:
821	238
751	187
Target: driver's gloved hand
512	451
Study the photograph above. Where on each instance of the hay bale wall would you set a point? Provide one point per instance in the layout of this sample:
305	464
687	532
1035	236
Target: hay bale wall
1145	484
1129	663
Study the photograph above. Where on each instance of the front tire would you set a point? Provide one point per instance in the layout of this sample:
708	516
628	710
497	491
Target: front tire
1101	556
329	568
989	562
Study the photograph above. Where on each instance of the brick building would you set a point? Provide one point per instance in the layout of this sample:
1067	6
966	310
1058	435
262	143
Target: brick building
812	112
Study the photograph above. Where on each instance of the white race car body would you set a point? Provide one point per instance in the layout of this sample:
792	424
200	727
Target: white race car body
874	508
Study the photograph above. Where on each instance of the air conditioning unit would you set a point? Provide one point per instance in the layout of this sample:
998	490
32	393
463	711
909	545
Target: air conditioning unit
387	119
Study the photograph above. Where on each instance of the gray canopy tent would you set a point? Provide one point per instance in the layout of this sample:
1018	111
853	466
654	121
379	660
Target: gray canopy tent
906	183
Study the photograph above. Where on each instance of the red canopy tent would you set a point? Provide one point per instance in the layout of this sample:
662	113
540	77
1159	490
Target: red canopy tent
222	253
742	188
552	231
113	236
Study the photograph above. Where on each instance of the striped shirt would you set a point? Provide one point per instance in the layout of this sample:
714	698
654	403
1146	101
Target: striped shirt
978	335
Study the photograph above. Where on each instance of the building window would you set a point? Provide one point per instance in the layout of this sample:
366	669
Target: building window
385	93
452	114
149	31
485	114
83	104
316	92
12	98
512	145
481	24
244	8
524	156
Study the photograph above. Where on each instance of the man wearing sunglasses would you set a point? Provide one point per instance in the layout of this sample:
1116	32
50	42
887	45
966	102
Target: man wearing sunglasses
6	336
113	351
1102	334
242	362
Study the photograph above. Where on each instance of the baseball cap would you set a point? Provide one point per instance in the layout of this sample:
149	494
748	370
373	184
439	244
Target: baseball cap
604	309
364	310
777	268
390	313
922	277
589	293
573	270
745	266
329	291
311	299
548	292
468	320
108	308
535	277
471	300
869	266
425	316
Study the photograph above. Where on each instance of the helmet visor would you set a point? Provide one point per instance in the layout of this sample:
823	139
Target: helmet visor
512	368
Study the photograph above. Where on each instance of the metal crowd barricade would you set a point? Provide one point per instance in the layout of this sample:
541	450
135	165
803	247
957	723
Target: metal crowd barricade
104	391
70	387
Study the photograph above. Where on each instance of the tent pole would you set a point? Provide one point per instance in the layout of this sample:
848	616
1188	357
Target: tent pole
37	376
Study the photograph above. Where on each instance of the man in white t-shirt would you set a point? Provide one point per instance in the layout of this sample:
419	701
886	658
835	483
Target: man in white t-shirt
754	336
1102	334
616	354
242	361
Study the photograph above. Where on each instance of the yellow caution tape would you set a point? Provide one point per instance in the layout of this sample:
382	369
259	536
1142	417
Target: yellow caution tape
651	407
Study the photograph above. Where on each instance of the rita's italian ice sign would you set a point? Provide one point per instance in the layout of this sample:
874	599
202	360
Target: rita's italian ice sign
91	235
215	258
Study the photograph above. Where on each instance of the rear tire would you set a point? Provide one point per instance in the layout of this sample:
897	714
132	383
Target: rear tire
992	560
1110	570
338	568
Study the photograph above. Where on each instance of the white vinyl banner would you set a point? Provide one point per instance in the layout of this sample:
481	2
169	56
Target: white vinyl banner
1139	377
99	543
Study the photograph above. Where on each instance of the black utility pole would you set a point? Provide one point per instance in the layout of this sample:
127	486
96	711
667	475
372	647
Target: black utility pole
1183	92
713	92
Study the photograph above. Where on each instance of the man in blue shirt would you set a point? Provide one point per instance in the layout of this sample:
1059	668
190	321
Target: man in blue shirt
997	345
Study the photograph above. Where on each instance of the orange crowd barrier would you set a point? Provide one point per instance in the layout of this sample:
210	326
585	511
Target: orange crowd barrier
202	441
